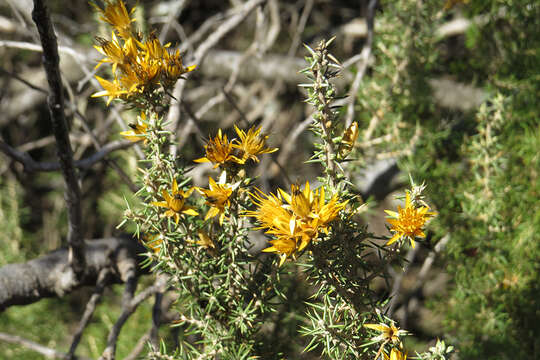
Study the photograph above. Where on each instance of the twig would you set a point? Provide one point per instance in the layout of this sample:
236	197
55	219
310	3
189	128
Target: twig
408	302
139	347
51	61
165	317
300	28
362	63
396	287
235	106
31	165
89	311
430	259
156	320
174	13
202	50
129	305
17	77
33	47
290	143
98	146
43	350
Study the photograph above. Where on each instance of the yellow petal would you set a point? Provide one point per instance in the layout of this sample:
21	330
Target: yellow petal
201	160
160	204
269	249
378	327
190	211
392	213
393	239
211	213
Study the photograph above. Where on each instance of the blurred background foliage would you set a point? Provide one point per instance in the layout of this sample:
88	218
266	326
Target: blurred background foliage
458	110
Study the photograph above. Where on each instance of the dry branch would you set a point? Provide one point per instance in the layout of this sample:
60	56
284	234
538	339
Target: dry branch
130	302
31	165
43	350
51	62
50	275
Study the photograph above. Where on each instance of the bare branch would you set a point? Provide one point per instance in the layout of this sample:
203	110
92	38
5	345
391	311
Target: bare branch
50	275
31	165
300	28
51	62
43	350
174	113
363	61
129	305
89	311
165	316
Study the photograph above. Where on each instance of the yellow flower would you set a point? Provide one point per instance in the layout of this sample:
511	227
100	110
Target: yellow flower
218	151
409	221
296	222
112	89
173	66
139	67
175	203
301	202
310	208
218	197
388	333
138	131
115	53
250	145
270	212
395	355
205	241
117	15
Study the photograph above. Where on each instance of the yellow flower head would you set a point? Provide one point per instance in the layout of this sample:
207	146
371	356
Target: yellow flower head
395	355
175	203
173	67
297	221
250	145
138	130
388	333
139	67
310	208
218	197
409	221
301	202
116	14
115	52
218	151
270	212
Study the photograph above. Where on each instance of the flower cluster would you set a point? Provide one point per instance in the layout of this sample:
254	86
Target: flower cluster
294	219
140	66
222	152
408	222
